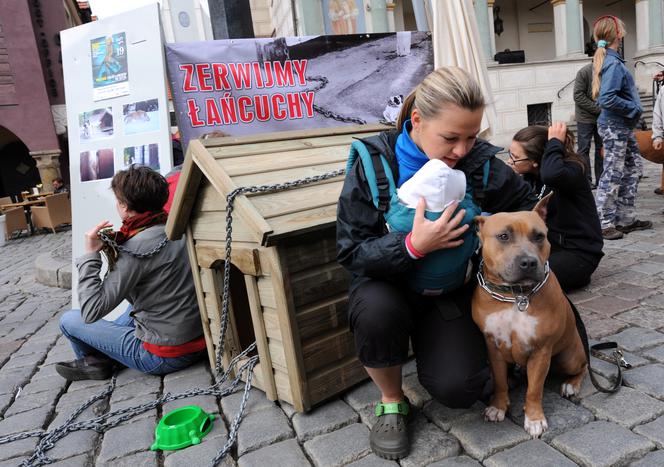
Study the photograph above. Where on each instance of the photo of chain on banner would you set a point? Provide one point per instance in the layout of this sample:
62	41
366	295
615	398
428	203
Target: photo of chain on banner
110	77
293	83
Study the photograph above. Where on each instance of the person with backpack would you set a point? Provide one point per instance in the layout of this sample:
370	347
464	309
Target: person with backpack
417	283
545	157
615	91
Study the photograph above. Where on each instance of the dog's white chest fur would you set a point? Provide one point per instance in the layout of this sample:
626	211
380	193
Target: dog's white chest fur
502	325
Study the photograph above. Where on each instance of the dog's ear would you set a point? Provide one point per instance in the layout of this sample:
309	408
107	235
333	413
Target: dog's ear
540	207
480	221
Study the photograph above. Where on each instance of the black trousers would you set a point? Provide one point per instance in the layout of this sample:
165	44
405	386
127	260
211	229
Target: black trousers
588	132
572	269
449	348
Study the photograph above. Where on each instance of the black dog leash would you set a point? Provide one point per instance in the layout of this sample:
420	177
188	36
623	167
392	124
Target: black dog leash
616	357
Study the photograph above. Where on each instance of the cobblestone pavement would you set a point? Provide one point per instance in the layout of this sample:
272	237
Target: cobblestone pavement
625	302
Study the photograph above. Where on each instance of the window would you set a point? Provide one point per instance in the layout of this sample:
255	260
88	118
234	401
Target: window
539	114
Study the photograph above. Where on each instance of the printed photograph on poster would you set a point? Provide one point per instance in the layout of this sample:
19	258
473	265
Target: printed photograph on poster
97	164
110	77
141	117
344	16
95	124
288	83
147	154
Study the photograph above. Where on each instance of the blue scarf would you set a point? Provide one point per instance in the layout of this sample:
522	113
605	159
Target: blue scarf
409	157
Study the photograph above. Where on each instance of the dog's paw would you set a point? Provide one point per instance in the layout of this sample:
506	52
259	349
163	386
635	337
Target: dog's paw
535	428
493	414
568	390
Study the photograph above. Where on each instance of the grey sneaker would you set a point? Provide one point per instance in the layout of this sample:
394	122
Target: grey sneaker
611	233
636	225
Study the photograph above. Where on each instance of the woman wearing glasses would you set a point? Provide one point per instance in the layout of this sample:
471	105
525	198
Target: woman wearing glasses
546	159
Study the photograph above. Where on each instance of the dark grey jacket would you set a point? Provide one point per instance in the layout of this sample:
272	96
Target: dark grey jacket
586	109
160	289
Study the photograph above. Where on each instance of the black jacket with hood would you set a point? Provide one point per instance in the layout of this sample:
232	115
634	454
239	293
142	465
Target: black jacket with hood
365	247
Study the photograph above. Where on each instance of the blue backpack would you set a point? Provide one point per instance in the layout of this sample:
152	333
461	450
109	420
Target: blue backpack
441	271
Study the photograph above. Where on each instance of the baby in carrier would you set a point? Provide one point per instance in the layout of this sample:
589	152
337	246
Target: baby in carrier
443	270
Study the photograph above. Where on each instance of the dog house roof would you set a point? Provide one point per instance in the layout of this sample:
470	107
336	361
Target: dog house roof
228	163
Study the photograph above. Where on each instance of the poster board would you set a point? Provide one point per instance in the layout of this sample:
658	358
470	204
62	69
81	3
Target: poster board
117	112
240	87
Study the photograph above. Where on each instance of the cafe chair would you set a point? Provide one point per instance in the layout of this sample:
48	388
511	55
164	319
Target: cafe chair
14	220
57	211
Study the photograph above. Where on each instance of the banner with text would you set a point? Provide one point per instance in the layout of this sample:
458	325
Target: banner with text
247	86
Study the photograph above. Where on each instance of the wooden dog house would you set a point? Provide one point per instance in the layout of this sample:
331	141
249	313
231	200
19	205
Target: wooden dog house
287	290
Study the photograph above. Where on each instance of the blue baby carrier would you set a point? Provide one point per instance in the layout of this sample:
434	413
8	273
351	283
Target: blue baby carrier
441	271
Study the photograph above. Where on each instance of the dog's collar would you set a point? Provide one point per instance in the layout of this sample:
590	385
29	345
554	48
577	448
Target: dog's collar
520	295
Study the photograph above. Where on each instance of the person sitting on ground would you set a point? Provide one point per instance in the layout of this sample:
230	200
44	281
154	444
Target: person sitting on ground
161	331
546	159
58	185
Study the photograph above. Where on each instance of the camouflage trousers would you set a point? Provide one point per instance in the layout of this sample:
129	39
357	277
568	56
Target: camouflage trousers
616	191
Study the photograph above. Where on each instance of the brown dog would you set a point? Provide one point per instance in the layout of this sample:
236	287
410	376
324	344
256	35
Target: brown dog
524	315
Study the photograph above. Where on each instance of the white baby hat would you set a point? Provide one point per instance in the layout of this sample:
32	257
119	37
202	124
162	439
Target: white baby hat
438	184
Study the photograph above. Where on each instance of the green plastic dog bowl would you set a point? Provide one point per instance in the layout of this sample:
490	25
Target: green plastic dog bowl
181	428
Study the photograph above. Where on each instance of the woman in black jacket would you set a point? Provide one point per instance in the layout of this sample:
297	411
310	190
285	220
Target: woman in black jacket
440	119
546	159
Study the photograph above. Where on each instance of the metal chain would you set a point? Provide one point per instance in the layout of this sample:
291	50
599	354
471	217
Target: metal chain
106	238
105	422
328	113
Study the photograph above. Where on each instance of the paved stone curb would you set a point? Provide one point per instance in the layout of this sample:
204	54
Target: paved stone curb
54	272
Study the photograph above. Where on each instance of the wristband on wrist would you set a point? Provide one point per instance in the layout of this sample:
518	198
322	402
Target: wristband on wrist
411	249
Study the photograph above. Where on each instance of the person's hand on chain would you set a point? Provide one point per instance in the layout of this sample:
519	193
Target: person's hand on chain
428	236
92	241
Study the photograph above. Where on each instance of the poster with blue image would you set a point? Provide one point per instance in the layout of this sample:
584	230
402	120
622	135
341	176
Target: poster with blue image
110	77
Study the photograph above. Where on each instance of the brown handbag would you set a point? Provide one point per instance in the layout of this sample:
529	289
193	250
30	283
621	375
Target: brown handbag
644	140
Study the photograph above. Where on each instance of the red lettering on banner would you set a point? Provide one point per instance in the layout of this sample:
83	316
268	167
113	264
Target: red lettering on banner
228	109
284	73
192	113
262	105
269	78
294	105
220	74
258	76
202	76
241	73
277	112
301	70
212	112
246	116
308	99
188	69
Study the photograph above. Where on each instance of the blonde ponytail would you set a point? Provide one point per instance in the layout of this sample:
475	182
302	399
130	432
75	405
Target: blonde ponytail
446	85
608	29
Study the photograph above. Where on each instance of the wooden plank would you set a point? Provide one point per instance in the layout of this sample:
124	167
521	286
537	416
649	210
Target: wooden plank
209	199
257	378
301	256
278	355
266	292
206	278
281	160
315	284
339	376
282	383
200	297
320	317
212	226
185	193
301	222
291	338
242	207
212	254
261	337
331	347
264	138
271	321
231	346
287	175
299	199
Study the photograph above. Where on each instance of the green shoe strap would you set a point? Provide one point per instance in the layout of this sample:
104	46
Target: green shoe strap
392	407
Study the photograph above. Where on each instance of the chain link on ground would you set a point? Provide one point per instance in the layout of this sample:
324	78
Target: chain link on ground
112	419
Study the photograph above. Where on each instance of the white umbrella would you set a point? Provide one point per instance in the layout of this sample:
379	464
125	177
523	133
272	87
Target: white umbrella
456	42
